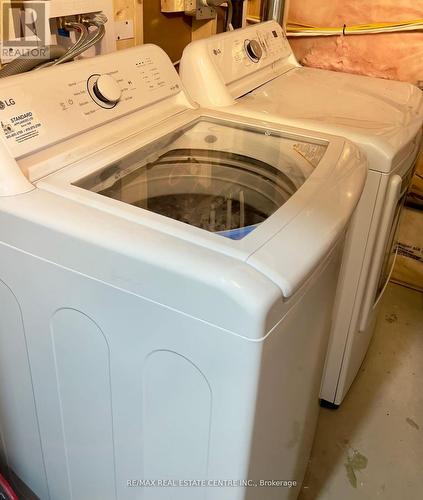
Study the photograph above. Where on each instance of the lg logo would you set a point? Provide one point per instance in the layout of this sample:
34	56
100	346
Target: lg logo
6	103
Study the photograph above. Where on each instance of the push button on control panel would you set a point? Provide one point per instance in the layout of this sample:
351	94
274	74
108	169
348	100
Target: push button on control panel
253	50
104	90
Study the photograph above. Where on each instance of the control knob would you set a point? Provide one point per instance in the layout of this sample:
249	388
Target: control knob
254	50
107	89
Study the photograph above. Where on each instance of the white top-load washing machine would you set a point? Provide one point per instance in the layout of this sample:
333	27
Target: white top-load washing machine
252	72
167	281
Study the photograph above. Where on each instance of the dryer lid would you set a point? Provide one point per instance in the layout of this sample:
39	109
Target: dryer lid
382	116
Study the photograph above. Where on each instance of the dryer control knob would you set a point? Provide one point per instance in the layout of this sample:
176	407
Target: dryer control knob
107	89
254	50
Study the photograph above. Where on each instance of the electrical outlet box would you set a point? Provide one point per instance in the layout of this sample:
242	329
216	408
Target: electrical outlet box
197	9
124	30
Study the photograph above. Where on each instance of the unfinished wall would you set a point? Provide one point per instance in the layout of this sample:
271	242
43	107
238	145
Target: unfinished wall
172	32
396	56
254	9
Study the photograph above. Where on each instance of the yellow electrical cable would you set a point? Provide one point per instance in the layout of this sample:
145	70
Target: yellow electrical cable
297	29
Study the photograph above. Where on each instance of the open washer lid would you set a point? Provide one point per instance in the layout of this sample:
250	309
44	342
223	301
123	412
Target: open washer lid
225	179
257	193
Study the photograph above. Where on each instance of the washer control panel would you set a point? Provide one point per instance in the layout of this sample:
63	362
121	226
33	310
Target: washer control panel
47	106
238	53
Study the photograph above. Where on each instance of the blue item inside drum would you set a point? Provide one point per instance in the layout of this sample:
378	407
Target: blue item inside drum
224	193
238	233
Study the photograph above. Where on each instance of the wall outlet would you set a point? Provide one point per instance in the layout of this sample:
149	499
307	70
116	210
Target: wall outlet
124	30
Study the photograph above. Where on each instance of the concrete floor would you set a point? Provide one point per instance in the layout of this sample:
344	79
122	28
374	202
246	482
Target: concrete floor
372	446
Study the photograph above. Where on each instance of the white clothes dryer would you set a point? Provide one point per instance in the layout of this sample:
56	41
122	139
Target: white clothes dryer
253	72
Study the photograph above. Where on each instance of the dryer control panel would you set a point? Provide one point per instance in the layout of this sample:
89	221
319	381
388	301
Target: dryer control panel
218	70
43	107
242	52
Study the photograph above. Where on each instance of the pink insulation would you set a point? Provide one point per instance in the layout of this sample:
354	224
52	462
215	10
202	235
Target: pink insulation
396	56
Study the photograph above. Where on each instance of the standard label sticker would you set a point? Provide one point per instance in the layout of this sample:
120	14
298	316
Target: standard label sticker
21	127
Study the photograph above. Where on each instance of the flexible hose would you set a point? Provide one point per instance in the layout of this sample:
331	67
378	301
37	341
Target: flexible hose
98	20
74	51
58	54
96	37
22	64
80	41
83	35
229	26
218	3
84	42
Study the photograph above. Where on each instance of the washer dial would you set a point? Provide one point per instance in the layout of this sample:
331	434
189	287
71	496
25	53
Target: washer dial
104	90
253	50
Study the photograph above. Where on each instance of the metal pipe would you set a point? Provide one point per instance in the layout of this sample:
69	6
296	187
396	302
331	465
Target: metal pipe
273	9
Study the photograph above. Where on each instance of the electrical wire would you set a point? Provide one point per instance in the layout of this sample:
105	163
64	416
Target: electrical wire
297	29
